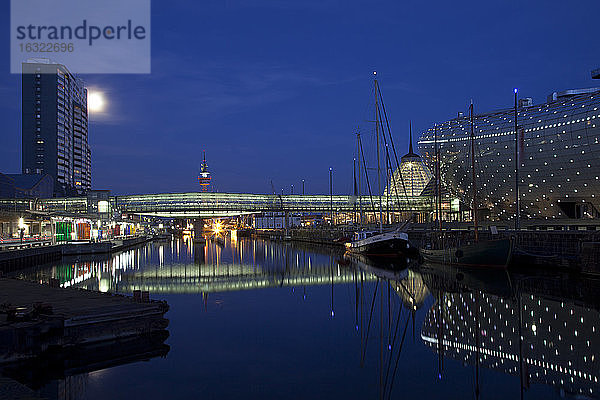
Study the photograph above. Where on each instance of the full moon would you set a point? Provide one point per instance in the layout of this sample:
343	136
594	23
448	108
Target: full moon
95	102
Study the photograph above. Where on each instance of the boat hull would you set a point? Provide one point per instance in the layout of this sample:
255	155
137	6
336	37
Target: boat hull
490	253
387	248
386	245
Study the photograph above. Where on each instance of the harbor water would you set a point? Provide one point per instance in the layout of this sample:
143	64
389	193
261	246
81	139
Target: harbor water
261	319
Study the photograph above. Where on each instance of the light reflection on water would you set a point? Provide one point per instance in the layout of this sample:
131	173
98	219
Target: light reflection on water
287	320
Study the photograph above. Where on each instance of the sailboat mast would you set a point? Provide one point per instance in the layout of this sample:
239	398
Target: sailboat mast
354	192
517	205
439	187
378	155
359	183
474	208
410	151
438	196
388	182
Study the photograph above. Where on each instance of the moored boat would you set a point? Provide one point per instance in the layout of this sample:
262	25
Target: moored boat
487	253
379	244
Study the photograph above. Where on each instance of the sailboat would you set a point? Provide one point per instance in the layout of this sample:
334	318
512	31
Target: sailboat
494	253
379	243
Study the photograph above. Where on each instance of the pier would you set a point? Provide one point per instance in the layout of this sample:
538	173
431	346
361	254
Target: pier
36	319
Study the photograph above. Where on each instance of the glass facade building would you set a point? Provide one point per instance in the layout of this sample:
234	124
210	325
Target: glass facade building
559	163
411	178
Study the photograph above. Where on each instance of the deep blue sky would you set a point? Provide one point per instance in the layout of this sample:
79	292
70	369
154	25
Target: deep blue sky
274	89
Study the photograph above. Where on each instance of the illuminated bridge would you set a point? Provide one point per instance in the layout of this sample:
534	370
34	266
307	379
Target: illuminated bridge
196	204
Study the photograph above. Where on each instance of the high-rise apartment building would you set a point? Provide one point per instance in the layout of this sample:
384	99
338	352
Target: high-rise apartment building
55	127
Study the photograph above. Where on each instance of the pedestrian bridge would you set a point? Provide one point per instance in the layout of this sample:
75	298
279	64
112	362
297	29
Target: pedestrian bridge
202	204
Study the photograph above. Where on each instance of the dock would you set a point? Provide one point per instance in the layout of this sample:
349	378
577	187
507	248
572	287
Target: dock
37	318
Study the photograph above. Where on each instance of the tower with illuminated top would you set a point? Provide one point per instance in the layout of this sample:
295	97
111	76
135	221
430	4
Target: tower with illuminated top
204	177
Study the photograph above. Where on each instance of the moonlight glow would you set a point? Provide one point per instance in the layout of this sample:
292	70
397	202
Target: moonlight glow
95	102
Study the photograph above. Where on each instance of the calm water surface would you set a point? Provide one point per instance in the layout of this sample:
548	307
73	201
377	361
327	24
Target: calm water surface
265	320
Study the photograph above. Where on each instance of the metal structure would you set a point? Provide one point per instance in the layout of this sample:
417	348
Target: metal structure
559	157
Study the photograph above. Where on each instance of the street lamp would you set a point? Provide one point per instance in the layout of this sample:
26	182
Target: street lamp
292	188
302	187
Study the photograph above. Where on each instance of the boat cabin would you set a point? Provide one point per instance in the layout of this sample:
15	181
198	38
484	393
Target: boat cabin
363	235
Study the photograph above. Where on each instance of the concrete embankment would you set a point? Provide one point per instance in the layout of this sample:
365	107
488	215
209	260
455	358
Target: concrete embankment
35	318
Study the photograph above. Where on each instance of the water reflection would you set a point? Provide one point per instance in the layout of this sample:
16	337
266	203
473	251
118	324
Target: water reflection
65	374
519	325
540	329
189	268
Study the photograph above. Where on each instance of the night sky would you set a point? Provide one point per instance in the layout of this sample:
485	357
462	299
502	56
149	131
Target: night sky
275	89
